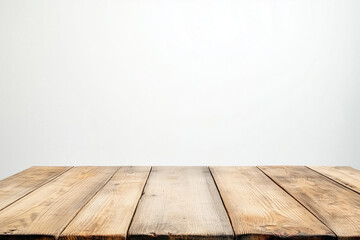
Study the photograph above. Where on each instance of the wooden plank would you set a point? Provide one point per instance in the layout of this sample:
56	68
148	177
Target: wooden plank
180	203
22	183
259	209
335	205
44	213
109	212
346	176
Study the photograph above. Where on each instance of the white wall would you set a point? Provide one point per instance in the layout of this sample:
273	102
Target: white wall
179	82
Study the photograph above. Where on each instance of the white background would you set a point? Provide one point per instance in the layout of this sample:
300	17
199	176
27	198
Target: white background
179	82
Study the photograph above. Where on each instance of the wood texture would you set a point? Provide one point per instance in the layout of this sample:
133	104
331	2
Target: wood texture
22	183
259	209
84	203
109	212
335	205
44	213
180	203
346	176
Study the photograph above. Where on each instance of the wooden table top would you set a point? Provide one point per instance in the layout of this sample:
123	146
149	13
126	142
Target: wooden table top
190	203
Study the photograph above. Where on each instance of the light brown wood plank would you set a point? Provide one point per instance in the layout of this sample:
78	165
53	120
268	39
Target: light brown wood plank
44	213
109	212
259	209
346	176
24	182
180	203
335	205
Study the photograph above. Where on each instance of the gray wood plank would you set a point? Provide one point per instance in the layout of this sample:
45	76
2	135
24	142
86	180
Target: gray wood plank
180	203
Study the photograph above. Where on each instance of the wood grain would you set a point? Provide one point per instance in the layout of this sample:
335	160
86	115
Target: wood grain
335	205
109	212
180	203
259	209
22	183
346	176
44	213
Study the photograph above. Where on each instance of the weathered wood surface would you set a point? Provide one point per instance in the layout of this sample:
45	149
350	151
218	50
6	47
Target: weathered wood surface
346	176
45	212
22	183
140	203
180	203
335	205
259	209
109	212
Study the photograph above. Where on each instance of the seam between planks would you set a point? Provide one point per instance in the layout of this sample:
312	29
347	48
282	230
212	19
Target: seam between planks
222	200
298	201
41	185
77	213
137	204
333	180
